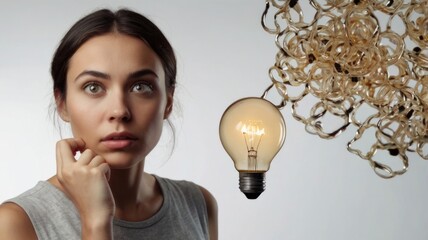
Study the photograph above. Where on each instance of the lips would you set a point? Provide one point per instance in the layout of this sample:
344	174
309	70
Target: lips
119	140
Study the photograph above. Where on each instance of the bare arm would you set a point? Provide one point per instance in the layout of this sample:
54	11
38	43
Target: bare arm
212	210
15	223
86	183
97	231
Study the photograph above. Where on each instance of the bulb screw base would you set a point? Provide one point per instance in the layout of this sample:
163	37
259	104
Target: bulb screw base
252	184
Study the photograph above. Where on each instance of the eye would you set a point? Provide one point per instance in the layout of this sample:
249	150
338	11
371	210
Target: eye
142	87
92	88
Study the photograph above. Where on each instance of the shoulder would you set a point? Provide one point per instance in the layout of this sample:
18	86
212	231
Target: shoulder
178	188
188	189
210	201
15	223
199	198
212	210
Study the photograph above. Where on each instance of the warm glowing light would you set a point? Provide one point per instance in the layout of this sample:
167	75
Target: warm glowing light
252	131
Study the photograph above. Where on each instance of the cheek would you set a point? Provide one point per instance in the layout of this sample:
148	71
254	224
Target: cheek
83	119
153	123
153	119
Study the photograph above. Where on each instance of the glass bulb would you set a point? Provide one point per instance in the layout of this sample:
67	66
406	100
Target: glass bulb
252	132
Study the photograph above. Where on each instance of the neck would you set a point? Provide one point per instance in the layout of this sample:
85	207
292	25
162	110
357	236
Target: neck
129	186
135	193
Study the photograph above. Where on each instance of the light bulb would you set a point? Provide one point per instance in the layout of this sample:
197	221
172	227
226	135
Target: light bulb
252	132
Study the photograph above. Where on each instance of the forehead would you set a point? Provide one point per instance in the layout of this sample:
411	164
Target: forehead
115	54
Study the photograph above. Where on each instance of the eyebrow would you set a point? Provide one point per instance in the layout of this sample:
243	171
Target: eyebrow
133	75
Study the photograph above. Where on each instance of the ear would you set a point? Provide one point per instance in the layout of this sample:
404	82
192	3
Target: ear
61	106
169	103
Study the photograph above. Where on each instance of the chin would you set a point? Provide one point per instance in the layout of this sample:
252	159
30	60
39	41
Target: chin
120	160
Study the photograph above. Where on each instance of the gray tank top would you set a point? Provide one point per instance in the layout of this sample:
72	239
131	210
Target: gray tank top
183	214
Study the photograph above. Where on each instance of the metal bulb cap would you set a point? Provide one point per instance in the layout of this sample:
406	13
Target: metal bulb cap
252	184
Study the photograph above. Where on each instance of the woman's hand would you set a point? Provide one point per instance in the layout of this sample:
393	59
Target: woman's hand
86	183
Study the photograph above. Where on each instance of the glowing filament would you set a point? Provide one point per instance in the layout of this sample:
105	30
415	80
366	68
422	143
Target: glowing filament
253	133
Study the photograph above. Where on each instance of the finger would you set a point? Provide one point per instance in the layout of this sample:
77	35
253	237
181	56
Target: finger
58	161
96	161
86	157
105	168
75	144
80	145
67	149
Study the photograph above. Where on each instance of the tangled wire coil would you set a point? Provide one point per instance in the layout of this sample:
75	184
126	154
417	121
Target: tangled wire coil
347	59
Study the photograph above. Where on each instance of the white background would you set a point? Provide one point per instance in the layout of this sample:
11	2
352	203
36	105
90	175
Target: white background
315	188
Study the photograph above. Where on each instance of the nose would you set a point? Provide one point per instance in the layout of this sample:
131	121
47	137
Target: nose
119	108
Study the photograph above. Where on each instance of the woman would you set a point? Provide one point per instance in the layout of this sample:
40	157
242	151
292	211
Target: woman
114	78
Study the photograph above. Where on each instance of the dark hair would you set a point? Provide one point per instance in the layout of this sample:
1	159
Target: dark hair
105	21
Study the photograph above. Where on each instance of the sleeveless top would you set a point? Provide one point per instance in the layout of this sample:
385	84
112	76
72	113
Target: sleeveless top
183	214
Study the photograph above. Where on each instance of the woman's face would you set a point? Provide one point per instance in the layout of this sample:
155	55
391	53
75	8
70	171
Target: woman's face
116	98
